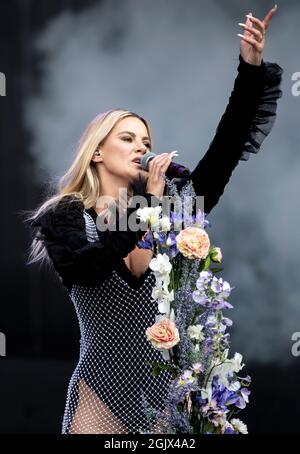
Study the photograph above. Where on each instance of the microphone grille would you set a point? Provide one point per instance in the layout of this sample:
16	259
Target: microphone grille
145	159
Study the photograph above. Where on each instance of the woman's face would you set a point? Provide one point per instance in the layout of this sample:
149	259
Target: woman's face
127	141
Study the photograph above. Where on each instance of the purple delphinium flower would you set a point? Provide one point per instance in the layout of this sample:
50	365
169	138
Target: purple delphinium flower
176	220
204	278
220	303
220	286
243	398
229	430
173	250
200	298
148	241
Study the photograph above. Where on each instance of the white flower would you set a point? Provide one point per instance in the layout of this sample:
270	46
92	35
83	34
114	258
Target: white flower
172	316
164	298
161	264
216	255
155	234
165	224
222	370
149	214
195	332
162	294
169	242
239	426
234	386
198	367
236	362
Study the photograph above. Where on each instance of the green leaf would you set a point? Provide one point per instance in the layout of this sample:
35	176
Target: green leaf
158	367
156	371
180	407
216	270
201	265
207	263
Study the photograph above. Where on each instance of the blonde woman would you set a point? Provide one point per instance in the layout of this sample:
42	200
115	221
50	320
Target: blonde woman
106	275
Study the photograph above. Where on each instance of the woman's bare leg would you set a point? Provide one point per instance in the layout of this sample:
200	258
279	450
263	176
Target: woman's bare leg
92	416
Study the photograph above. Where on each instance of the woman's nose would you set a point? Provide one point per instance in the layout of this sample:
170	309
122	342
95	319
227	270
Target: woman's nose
142	150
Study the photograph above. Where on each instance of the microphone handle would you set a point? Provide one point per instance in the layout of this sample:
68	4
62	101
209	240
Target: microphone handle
176	170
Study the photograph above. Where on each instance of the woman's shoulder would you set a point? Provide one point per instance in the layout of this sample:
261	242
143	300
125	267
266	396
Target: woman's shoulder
69	202
67	211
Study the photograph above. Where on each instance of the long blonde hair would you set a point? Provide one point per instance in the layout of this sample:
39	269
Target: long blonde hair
81	179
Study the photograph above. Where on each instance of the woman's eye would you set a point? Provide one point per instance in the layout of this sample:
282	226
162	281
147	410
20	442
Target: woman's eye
130	138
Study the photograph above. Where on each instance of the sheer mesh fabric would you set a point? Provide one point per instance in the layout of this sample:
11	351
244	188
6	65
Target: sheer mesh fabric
106	388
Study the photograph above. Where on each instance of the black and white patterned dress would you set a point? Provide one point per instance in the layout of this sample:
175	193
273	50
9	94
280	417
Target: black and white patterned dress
113	318
114	308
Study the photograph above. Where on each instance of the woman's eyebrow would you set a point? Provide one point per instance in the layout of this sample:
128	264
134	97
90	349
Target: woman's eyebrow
132	134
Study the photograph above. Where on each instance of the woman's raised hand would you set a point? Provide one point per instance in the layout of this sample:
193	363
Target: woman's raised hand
253	40
157	169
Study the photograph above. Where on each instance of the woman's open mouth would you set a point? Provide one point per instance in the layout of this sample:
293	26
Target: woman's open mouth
137	161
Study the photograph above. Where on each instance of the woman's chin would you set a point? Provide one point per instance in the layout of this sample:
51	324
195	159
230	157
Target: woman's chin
140	171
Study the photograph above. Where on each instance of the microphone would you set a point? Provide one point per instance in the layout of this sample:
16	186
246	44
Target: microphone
174	170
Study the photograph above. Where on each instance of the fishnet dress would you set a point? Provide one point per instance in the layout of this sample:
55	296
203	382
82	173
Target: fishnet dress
105	391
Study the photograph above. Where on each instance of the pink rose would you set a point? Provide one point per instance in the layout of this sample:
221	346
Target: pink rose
193	242
163	334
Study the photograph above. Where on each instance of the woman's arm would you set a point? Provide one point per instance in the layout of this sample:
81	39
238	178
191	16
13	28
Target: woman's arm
76	260
248	119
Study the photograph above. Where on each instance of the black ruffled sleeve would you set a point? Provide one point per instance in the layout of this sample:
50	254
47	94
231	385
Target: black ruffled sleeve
248	119
76	260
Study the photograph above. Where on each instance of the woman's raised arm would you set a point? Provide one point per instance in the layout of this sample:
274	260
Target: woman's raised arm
248	118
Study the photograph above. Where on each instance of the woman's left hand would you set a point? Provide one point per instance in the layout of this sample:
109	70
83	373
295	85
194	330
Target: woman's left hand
253	40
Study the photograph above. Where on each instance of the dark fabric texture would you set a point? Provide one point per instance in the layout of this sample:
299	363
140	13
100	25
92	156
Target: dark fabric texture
248	119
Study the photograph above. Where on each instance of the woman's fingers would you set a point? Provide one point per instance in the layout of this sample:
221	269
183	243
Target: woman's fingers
165	164
157	168
252	41
269	16
158	159
159	165
257	22
257	34
264	24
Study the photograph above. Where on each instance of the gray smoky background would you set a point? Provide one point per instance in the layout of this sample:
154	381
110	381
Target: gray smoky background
174	63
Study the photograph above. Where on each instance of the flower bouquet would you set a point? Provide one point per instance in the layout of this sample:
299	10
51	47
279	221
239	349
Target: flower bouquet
206	391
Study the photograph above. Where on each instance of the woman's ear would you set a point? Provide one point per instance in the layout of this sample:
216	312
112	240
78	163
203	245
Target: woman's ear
97	156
